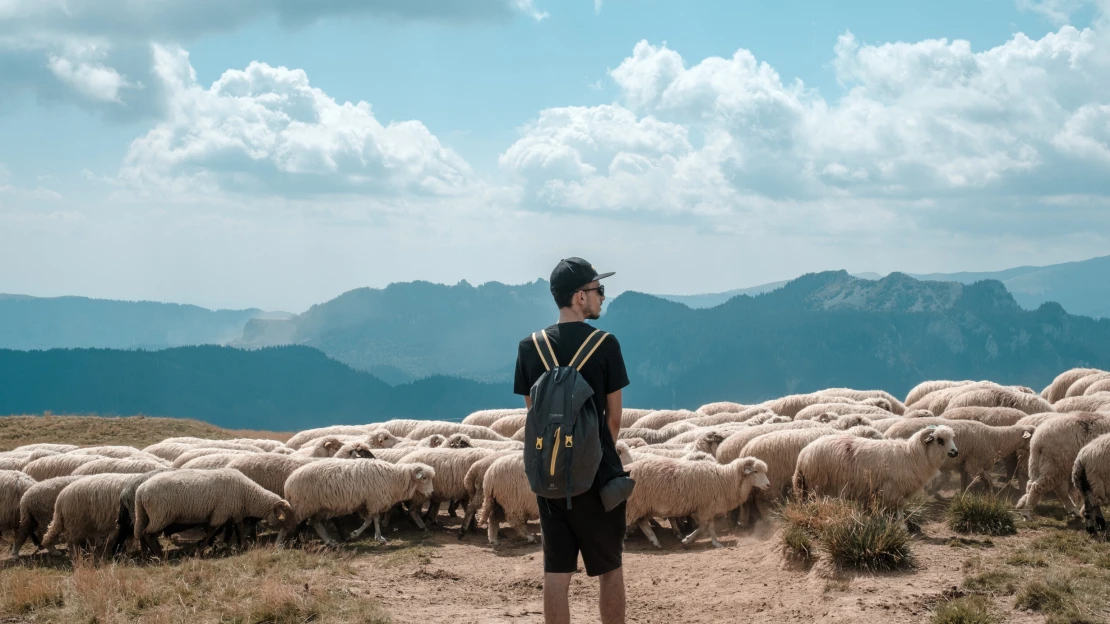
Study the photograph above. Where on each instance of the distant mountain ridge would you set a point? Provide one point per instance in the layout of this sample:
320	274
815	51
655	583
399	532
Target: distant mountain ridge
58	322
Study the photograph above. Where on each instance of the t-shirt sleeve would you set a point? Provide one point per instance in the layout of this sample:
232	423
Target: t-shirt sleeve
616	376
522	384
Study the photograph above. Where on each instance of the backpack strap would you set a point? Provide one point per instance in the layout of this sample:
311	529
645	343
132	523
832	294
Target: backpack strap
592	342
543	348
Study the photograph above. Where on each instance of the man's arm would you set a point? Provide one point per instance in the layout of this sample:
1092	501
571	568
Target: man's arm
613	408
528	402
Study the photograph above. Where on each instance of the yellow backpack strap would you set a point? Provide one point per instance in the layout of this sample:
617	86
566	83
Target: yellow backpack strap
543	348
592	342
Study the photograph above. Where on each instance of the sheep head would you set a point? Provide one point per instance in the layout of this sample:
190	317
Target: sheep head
625	452
709	441
281	516
435	440
1027	432
942	437
383	439
422	475
355	450
826	417
459	440
919	413
754	471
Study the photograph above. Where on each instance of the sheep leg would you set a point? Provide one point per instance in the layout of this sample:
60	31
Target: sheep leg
414	513
209	536
433	512
378	529
25	530
676	527
323	533
239	533
686	541
368	520
519	528
712	532
493	526
1029	502
1063	492
646	528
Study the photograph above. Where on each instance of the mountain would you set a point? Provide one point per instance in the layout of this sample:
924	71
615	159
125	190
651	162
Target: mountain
1081	287
832	329
276	388
411	330
708	300
53	322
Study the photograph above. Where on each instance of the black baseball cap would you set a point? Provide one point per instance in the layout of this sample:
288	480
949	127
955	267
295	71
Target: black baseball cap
574	273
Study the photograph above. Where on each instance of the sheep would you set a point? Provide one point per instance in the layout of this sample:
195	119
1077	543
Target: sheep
447	428
928	387
308	435
1056	390
381	439
677	428
57	465
794	403
119	466
508	425
461	440
938	401
507	494
886	423
865	431
210	498
698	456
651	436
721	418
994	397
848	421
186	457
674	488
709	409
1079	388
394	455
1037	420
1097	387
13	484
1098	402
269	446
779	450
981	446
887	400
87	511
693	435
329	488
889	471
1052	454
485	418
119	452
270	470
321	447
402	426
811	412
170	451
45	446
994	416
1091	476
473	483
450	471
354	450
943	395
126	520
211	462
662	418
730	448
36	508
17	460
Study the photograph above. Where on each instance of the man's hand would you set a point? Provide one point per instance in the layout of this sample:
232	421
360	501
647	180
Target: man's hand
613	408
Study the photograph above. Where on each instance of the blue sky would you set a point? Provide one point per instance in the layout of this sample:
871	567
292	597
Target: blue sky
666	140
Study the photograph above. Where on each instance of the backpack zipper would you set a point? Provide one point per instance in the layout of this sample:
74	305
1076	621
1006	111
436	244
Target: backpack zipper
555	450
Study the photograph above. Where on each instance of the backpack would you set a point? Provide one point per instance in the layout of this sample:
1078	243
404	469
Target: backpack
562	443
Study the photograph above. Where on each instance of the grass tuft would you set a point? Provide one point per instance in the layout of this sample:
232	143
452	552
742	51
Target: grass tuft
868	541
966	610
798	543
1051	595
983	514
994	582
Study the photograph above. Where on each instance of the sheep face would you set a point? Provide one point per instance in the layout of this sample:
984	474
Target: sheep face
383	439
827	417
436	441
281	517
358	450
919	413
422	476
625	452
459	440
634	442
1026	435
943	437
878	402
755	471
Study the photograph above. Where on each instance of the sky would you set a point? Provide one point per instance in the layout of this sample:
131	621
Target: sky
276	153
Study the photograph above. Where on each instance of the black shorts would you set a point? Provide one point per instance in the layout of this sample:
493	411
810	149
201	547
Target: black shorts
587	528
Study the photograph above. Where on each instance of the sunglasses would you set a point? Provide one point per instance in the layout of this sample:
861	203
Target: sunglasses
600	290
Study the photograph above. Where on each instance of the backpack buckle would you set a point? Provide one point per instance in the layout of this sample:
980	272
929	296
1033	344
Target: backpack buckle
539	444
570	441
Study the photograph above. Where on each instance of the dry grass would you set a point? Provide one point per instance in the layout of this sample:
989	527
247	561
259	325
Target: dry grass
138	431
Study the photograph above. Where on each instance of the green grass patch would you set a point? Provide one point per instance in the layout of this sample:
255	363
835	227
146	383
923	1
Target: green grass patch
966	610
868	541
1024	558
994	582
798	543
983	514
1050	595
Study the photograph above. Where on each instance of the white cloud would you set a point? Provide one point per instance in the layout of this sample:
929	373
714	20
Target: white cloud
9	189
81	67
266	130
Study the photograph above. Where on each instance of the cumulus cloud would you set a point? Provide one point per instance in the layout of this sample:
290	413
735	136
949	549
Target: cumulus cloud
267	130
917	125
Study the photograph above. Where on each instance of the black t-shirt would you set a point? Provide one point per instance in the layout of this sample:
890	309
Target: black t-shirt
605	372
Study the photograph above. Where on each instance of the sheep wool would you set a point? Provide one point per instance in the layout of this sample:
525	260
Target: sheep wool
709	409
485	418
450	467
730	449
36	509
981	446
888	403
662	418
1091	476
1052	453
269	470
45	446
473	482
57	465
188	456
120	466
996	397
303	437
428	428
994	416
1056	390
13	484
1098	402
1079	388
86	511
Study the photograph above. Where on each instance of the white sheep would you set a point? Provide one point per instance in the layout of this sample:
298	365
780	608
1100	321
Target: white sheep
1052	453
996	397
325	446
394	455
86	512
13	460
507	495
730	448
116	451
45	446
651	436
887	400
1091	476
188	456
889	471
508	425
1056	390
461	440
693	435
473	482
269	446
675	488
485	418
1098	402
57	465
794	403
216	460
171	450
13	484
1097	387
119	466
450	467
1079	388
270	470
209	498
36	509
721	418
840	409
994	416
329	488
928	387
981	446
779	450
709	409
447	428
662	418
302	437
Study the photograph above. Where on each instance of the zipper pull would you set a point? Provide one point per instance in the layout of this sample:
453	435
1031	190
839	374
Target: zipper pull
570	441
539	444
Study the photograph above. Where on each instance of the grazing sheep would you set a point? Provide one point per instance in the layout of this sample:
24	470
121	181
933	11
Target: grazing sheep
1097	387
36	509
86	512
485	418
329	488
779	450
730	448
269	446
394	455
308	435
888	401
507	494
981	446
126	520
211	462
848	421
693	435
674	488
710	409
354	450
475	495
57	465
382	439
889	471
1091	476
210	498
939	401
651	436
928	387
662	418
270	470
1052	454
1079	388
119	452
994	416
119	466
886	423
794	403
447	428
13	484
1056	390
865	431
450	467
1098	402
45	446
508	425
995	397
322	447
677	428
17	460
170	451
840	409
721	418
188	456
461	440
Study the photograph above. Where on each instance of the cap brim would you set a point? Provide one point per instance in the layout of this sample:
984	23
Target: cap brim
605	275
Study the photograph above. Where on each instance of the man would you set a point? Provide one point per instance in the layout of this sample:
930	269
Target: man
585	527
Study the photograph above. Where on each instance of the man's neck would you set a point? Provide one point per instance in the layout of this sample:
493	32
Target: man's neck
570	315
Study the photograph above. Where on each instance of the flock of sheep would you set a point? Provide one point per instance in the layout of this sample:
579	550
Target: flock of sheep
690	467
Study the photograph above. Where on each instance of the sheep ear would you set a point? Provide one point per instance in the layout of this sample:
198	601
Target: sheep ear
929	439
1026	435
747	468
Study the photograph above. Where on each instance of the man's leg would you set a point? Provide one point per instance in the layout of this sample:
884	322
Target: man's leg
612	596
556	598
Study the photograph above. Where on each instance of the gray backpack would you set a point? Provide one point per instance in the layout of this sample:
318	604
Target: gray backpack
562	444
